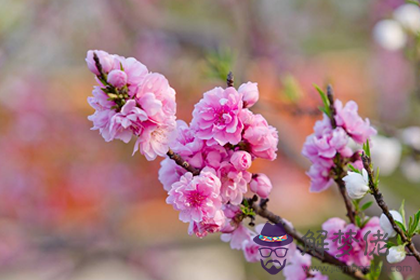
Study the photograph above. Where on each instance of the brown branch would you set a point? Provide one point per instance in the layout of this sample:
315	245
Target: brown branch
99	67
382	204
230	79
261	210
181	162
340	172
349	206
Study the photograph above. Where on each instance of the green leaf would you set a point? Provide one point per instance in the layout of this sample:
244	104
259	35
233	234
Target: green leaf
402	212
325	101
366	148
399	240
401	225
366	205
390	244
353	168
358	221
377	177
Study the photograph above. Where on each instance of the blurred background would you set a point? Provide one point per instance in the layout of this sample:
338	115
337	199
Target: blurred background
75	207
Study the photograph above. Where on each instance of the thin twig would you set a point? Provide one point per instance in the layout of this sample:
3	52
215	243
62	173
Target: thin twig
230	79
382	204
298	237
339	172
181	162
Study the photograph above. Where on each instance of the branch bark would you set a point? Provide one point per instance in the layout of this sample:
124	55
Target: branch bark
183	163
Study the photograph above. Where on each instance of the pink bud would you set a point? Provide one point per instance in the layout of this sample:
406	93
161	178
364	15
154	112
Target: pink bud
117	78
261	185
250	94
106	60
241	160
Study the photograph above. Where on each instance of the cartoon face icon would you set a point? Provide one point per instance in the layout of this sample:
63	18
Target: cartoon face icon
272	239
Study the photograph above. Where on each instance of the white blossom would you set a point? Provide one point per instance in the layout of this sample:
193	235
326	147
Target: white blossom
396	254
356	184
386	225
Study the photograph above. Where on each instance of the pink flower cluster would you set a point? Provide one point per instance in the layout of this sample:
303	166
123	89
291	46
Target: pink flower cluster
356	254
326	142
131	101
223	139
298	268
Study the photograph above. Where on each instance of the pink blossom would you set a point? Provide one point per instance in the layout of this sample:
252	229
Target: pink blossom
251	252
196	197
102	117
208	225
156	97
117	78
357	253
130	120
169	173
135	70
185	143
261	185
261	137
241	160
106	60
249	93
298	268
348	118
154	140
234	183
320	177
215	117
237	237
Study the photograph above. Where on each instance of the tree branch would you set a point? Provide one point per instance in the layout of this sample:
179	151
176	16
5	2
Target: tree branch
382	204
340	172
261	210
181	162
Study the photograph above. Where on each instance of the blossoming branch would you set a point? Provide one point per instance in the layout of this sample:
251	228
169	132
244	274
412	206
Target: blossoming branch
206	163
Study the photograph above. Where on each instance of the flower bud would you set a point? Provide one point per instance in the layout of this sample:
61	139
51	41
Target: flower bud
261	185
386	225
356	184
241	160
396	254
117	78
106	60
250	94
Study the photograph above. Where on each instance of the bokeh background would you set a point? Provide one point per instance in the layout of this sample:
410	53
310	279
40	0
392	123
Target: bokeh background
75	207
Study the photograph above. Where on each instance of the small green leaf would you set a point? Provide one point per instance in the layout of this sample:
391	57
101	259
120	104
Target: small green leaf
366	148
402	212
366	205
390	244
401	225
325	101
353	168
358	221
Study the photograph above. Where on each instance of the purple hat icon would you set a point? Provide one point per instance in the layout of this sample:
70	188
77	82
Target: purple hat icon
273	236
